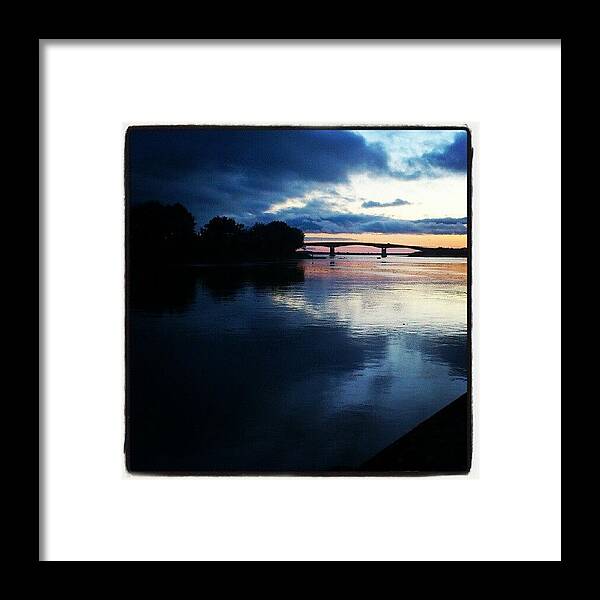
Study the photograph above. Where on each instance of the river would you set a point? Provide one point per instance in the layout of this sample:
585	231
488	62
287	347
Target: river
309	366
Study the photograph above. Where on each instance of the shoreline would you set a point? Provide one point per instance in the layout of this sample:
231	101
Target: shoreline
276	261
442	444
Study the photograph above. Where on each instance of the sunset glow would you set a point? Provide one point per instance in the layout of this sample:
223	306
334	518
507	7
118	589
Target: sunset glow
429	241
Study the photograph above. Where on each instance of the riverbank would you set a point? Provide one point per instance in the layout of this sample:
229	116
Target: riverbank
441	444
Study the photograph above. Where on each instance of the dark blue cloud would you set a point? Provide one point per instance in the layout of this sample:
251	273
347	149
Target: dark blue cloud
318	217
242	172
396	202
451	158
316	155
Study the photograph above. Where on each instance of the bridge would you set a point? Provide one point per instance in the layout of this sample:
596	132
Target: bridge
332	245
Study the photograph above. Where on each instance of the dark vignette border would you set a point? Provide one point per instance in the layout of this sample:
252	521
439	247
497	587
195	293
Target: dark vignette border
365	473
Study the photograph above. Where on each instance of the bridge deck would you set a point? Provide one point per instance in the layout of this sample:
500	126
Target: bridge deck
368	244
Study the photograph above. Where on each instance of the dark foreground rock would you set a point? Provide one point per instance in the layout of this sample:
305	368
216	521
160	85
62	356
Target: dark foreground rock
440	445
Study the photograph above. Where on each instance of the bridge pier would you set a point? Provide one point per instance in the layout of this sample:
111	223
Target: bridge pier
332	251
383	252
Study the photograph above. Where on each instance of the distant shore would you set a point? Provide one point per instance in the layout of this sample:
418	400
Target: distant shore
433	252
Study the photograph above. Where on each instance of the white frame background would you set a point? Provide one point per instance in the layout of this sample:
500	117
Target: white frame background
508	508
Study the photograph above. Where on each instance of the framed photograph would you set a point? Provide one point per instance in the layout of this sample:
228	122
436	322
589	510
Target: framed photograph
298	300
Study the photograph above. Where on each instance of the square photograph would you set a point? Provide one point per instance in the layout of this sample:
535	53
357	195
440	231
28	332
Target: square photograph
298	300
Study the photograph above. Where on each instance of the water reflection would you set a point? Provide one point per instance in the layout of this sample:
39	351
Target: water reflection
175	289
300	367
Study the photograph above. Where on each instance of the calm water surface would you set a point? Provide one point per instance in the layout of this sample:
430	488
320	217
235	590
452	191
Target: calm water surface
309	366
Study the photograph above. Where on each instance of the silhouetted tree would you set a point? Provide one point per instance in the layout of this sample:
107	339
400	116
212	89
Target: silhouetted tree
274	239
222	238
161	233
220	227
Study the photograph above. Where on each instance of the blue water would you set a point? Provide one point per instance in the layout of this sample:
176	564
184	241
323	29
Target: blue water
309	366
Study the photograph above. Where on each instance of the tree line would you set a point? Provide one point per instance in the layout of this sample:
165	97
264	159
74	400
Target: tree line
167	234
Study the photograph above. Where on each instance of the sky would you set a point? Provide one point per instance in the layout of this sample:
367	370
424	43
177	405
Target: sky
402	186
